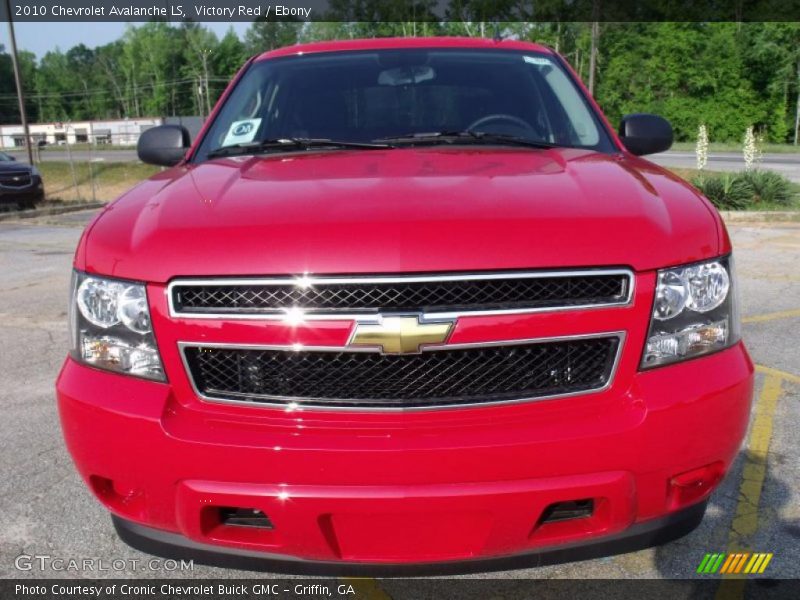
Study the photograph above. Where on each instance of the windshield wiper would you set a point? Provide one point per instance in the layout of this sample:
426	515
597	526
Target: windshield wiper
295	143
466	137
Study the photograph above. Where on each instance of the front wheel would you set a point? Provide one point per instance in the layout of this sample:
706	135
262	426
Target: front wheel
26	205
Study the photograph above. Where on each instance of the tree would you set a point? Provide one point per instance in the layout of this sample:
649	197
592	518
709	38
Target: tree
230	55
263	36
199	46
108	59
772	61
645	69
738	73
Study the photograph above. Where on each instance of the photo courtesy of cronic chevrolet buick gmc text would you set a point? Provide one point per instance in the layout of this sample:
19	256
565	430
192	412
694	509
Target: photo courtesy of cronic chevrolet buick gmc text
405	305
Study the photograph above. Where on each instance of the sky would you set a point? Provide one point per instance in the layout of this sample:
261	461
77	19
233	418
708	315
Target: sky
40	38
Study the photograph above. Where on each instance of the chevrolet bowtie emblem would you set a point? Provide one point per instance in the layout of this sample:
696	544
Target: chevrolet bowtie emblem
400	335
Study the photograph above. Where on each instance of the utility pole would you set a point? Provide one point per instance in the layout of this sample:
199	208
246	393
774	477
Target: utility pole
797	110
18	80
593	55
593	49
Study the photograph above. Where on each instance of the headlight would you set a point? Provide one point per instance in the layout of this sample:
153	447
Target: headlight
110	326
695	312
34	172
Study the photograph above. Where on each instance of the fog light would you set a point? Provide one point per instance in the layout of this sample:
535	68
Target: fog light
692	341
690	486
113	353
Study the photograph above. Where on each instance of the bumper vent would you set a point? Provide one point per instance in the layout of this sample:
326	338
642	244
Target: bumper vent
370	295
434	378
244	517
567	511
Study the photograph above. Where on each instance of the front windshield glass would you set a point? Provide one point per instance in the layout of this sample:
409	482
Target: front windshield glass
380	95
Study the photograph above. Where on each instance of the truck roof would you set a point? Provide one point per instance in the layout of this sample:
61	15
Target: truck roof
408	42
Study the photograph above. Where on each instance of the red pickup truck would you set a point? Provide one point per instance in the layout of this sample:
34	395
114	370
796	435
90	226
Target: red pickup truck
405	302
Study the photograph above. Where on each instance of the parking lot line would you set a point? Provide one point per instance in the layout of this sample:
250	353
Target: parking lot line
782	314
366	588
778	373
745	520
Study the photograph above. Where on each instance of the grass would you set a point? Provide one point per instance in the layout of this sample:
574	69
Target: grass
796	191
689	174
737	147
110	179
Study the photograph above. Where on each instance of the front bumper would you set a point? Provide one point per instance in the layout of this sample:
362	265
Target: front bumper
440	487
636	537
31	195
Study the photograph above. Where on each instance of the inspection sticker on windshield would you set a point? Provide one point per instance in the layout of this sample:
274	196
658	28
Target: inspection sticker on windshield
537	60
242	132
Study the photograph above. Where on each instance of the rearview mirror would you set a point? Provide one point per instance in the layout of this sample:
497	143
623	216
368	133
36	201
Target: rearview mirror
164	145
406	75
642	133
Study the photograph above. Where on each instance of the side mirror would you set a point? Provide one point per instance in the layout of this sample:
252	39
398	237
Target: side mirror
645	134
13	158
164	145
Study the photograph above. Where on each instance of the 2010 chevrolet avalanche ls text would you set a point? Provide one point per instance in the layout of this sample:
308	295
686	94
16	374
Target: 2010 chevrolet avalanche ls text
405	302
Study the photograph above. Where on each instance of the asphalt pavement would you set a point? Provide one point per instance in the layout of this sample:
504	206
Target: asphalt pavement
787	164
45	509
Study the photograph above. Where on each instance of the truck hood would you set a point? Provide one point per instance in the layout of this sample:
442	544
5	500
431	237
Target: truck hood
402	210
12	165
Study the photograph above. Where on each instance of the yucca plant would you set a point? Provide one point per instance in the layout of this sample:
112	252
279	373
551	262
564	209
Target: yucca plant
768	187
701	150
726	192
749	149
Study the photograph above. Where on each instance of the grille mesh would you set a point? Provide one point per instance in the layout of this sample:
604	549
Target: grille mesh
15	179
432	378
355	297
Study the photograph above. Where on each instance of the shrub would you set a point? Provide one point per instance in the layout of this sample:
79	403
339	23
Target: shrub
726	192
769	187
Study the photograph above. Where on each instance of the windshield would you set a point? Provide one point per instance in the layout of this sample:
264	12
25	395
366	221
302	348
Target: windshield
382	96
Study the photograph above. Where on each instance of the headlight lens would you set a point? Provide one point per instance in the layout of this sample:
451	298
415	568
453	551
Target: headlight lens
111	328
133	310
708	284
671	295
98	301
694	313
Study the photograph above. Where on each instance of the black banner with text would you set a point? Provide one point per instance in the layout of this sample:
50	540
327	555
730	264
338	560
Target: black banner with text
266	588
400	10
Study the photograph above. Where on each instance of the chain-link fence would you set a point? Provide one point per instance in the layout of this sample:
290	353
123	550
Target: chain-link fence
86	164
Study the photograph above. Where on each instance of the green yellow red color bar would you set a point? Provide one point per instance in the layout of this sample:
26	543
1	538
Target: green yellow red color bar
735	562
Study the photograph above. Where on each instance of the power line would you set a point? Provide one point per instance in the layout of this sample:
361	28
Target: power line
124	89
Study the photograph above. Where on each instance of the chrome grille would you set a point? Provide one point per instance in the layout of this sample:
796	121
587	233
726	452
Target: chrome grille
437	377
15	179
459	293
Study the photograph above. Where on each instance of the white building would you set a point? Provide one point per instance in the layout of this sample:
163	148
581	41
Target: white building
122	132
